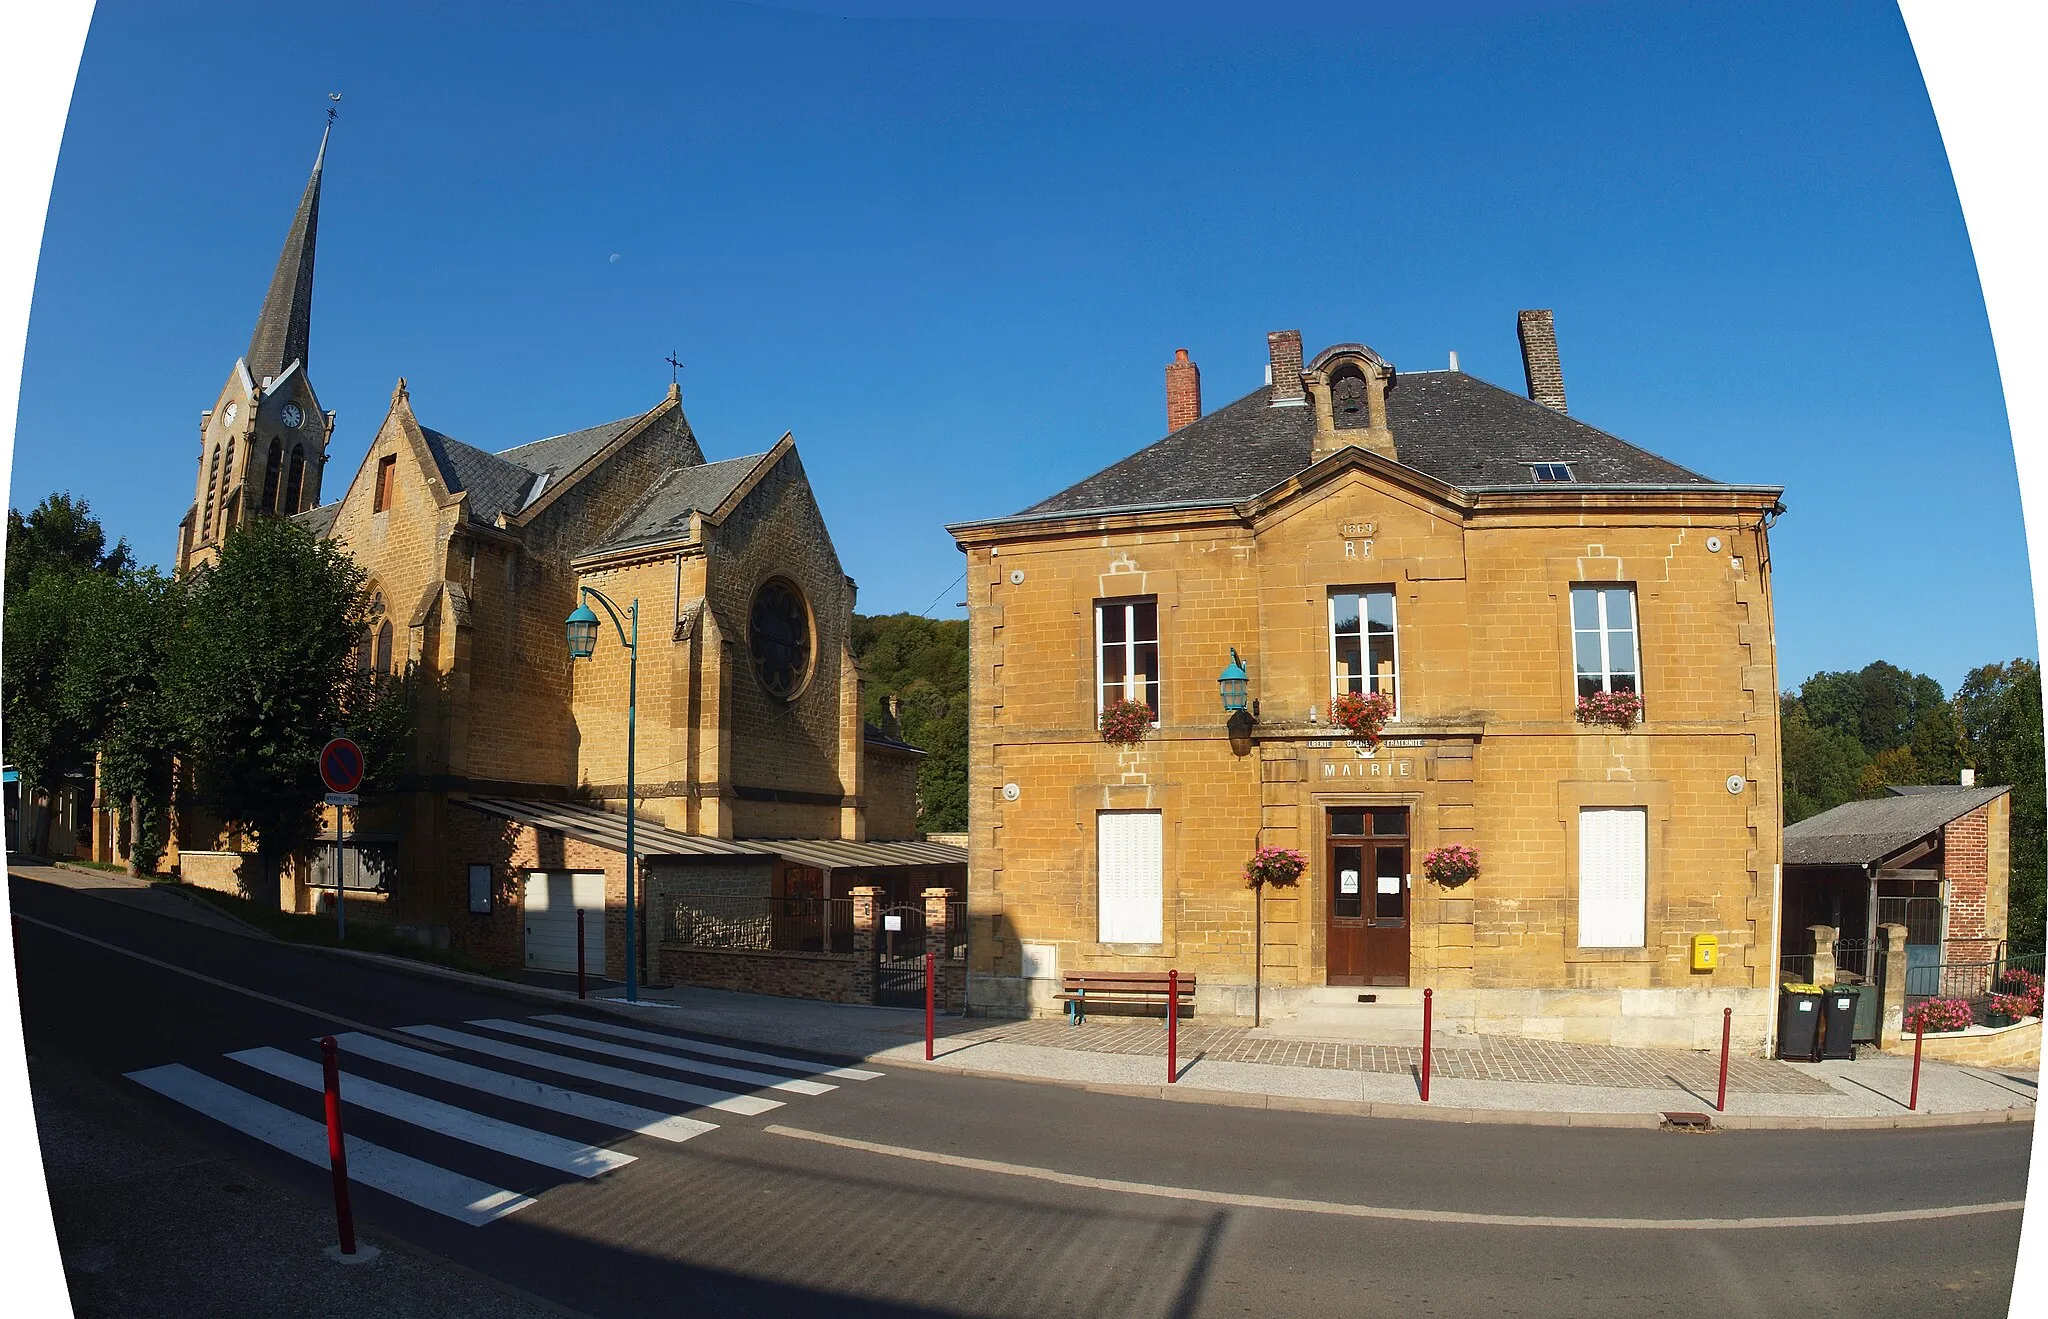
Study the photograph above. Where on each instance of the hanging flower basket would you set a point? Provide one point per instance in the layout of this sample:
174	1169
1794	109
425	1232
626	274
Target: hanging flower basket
1362	714
1125	723
1613	709
1279	866
1452	865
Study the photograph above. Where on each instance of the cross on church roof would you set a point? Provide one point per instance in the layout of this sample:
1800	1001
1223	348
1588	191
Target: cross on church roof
673	367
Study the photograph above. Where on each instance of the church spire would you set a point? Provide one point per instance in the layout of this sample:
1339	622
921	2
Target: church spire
286	322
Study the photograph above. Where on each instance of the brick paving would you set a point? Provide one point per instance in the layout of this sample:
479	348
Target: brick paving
1487	1058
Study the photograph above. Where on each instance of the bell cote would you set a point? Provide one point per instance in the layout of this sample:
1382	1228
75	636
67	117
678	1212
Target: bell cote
1348	386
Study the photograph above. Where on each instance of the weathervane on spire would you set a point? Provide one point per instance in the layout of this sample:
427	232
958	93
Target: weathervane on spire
334	108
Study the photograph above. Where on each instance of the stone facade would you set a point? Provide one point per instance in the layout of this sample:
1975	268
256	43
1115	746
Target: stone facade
474	559
1485	749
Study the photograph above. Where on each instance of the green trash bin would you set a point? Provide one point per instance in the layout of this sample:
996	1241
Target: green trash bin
1799	1013
1838	1023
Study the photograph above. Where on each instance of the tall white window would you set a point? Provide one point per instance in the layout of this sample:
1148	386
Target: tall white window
1604	639
1130	897
1127	653
1613	871
1363	655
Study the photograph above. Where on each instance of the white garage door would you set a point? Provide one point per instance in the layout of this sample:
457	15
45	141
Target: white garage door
553	898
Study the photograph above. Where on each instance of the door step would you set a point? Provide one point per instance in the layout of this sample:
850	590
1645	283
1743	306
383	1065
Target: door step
1364	1023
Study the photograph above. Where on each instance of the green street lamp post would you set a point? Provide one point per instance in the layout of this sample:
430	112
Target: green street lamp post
582	628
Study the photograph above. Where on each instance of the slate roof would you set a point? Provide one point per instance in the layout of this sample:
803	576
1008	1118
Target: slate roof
319	520
504	482
494	485
1447	424
559	455
876	737
284	326
663	513
1860	832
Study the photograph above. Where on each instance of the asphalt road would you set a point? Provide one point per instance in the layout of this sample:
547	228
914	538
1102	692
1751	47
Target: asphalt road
925	1193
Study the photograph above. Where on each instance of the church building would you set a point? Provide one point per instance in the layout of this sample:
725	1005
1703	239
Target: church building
755	774
1503	682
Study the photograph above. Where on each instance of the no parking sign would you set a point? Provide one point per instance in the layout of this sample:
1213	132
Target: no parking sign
341	766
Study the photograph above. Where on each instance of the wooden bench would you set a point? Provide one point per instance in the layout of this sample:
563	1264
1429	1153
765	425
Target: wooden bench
1143	988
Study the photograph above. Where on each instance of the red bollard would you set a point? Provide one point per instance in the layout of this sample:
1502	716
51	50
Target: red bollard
1428	1009
1727	1025
1919	1034
929	1012
337	1153
1172	1026
582	989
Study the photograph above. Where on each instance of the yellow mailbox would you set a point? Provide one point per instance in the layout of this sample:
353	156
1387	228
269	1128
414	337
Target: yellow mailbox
1706	952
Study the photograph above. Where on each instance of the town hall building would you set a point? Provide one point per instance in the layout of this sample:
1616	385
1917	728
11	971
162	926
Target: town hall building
1570	640
756	777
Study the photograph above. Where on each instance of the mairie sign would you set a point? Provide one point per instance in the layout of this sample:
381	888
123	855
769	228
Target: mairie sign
341	765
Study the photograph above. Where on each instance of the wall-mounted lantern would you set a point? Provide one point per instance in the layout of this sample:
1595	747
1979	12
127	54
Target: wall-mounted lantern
1234	684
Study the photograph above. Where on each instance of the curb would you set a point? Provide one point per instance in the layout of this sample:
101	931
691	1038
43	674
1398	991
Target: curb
183	892
1487	1116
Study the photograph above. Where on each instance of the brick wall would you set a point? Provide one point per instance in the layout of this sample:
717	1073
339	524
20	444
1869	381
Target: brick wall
512	851
828	977
891	794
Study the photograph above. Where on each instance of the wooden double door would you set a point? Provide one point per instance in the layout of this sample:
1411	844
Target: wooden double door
1366	865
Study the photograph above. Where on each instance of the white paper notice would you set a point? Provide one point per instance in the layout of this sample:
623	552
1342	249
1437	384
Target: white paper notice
1390	883
1347	881
891	923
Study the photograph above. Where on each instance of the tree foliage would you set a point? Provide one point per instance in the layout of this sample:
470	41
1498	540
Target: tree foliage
923	662
60	532
268	671
1998	707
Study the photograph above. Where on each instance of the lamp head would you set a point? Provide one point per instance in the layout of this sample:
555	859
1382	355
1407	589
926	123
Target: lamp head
582	629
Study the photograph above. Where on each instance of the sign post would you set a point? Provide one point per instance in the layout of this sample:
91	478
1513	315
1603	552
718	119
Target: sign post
341	769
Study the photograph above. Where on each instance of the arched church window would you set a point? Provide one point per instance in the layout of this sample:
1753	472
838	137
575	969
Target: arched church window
1350	399
779	638
294	481
366	649
273	472
212	484
383	660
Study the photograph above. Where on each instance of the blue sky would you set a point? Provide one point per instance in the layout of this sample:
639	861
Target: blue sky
953	255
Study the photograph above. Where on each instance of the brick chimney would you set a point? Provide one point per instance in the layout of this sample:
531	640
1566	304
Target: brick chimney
1183	391
1539	358
1285	370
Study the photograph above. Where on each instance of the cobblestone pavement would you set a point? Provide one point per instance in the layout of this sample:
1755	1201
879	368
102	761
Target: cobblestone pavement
1488	1058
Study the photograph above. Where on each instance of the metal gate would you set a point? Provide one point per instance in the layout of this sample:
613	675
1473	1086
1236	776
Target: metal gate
899	957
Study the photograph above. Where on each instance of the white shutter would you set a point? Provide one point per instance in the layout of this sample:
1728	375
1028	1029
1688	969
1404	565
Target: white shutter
1613	867
1130	895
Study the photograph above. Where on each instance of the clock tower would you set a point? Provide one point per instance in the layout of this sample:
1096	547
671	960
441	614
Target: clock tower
263	443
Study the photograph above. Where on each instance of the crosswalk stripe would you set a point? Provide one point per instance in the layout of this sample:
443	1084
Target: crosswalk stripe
543	1148
410	1179
749	1105
804	1065
672	1062
673	1127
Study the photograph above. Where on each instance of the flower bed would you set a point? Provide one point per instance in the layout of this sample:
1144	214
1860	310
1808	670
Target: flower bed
1613	709
1451	865
2018	997
1125	723
1362	715
1939	1014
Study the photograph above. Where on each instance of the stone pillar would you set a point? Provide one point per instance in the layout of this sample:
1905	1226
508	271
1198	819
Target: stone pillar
1893	1028
1823	954
867	907
938	934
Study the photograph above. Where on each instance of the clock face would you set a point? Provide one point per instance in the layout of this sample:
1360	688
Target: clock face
292	416
227	415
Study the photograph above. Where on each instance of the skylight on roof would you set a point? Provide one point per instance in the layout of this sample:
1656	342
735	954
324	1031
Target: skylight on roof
1545	473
